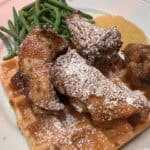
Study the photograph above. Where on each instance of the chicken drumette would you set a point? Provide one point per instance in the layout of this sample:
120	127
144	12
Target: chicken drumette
99	46
137	58
36	56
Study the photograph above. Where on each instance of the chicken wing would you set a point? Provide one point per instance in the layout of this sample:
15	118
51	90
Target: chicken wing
90	91
37	53
137	57
96	44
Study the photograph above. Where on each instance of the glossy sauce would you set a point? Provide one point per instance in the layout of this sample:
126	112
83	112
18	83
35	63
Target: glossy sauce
130	32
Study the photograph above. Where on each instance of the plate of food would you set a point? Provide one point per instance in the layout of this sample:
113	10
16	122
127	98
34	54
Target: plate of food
74	75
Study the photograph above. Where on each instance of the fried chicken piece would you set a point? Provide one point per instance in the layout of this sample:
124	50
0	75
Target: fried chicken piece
36	56
90	91
137	57
96	44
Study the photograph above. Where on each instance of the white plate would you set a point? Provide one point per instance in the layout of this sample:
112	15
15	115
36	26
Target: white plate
136	10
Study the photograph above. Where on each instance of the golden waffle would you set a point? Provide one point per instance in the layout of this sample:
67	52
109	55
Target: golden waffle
70	131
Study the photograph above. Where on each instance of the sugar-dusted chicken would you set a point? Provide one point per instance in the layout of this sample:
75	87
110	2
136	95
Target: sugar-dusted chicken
137	57
90	91
36	56
96	44
70	130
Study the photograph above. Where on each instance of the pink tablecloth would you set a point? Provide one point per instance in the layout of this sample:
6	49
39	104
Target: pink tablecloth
6	13
6	7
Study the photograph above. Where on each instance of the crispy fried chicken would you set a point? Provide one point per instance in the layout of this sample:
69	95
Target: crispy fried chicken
99	46
90	91
137	57
36	56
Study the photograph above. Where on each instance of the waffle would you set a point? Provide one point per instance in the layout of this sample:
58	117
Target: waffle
70	130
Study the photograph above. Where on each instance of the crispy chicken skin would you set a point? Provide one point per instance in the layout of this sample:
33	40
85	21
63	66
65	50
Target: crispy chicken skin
70	130
97	45
36	56
90	91
137	57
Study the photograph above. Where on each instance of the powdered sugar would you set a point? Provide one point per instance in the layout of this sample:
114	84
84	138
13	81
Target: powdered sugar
93	41
78	80
70	131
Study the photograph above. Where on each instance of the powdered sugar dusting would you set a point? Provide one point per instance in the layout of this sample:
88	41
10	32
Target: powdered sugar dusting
36	56
94	42
72	76
71	132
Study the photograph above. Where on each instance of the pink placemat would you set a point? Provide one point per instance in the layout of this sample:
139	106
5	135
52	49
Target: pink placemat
6	7
6	13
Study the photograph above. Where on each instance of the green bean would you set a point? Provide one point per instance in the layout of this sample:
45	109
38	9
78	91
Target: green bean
63	22
64	1
25	14
50	9
65	36
51	17
31	18
61	5
24	22
42	6
22	33
65	14
47	20
37	11
16	20
58	15
16	45
31	10
65	31
11	33
63	26
11	26
58	18
43	24
45	10
6	42
50	6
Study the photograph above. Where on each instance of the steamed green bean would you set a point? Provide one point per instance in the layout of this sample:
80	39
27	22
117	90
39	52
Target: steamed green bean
6	42
37	11
15	16
11	33
24	22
